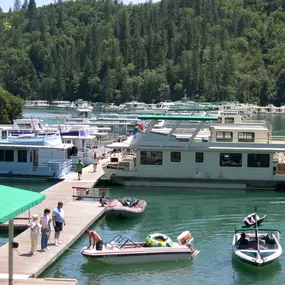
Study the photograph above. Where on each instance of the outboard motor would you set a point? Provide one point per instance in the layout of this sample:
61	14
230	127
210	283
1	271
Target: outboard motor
186	238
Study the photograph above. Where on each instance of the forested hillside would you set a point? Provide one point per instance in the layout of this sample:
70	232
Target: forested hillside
105	51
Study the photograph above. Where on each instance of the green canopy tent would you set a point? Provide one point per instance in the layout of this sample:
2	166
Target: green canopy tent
15	201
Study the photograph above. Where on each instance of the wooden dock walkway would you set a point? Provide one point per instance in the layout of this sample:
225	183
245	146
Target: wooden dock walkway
79	216
41	281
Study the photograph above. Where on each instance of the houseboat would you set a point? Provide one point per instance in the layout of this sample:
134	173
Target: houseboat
230	156
35	157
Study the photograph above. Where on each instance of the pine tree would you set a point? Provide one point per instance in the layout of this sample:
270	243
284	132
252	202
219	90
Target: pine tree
10	10
1	10
17	5
32	15
32	9
25	5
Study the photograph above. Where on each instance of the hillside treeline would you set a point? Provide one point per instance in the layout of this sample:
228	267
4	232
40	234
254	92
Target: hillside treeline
104	51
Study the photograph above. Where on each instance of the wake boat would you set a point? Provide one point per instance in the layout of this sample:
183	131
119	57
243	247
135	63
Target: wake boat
256	244
157	248
127	207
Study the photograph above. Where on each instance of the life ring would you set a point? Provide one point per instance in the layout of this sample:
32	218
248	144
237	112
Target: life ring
158	240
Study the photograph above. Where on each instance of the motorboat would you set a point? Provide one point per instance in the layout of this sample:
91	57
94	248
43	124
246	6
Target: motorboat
126	207
257	243
122	250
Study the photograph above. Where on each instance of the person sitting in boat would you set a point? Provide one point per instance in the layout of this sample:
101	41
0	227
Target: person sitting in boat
243	240
103	200
94	240
251	219
134	203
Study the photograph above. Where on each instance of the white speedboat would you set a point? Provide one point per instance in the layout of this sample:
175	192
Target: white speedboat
122	250
126	207
256	244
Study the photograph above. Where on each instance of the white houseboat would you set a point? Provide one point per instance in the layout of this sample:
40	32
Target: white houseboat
231	156
35	157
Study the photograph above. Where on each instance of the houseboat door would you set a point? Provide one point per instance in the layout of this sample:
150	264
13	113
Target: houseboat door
35	159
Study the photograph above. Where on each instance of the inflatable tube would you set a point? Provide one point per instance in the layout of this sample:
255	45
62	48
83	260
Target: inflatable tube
158	240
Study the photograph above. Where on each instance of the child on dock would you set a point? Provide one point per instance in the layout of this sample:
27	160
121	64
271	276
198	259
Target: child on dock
35	233
45	222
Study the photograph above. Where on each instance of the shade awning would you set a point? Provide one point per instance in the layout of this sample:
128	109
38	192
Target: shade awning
261	228
15	201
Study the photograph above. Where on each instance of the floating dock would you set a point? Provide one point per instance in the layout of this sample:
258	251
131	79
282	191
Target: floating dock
46	281
79	216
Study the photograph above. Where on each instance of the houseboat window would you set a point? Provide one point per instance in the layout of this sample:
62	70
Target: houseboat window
229	120
2	155
22	156
199	157
151	157
258	160
175	156
224	137
231	159
9	155
246	137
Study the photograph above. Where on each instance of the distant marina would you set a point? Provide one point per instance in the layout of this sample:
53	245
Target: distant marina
209	214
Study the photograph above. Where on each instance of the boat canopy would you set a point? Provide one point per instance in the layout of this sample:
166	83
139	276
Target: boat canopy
261	228
178	118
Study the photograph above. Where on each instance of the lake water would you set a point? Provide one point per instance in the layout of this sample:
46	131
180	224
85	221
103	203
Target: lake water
210	215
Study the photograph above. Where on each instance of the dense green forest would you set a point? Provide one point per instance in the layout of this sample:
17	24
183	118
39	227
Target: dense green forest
11	107
210	50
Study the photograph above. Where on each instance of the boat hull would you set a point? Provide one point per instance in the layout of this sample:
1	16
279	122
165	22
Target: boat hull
253	263
194	183
139	257
122	213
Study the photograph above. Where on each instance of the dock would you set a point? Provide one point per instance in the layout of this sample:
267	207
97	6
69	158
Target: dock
46	281
79	216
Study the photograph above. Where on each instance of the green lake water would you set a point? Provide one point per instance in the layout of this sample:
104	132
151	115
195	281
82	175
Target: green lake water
209	214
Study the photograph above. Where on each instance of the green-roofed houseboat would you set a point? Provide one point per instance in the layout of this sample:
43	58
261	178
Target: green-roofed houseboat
211	155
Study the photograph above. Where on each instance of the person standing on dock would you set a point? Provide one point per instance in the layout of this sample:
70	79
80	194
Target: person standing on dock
95	162
58	221
79	167
45	222
94	239
35	233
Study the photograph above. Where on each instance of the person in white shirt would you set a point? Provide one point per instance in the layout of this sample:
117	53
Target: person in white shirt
45	222
35	233
58	221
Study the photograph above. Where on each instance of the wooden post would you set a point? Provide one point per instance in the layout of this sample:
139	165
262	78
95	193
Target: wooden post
11	258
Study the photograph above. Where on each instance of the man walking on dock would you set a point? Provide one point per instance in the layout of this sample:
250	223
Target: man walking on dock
79	167
58	221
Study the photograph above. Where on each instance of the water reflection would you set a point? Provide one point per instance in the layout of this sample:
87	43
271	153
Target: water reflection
136	273
114	223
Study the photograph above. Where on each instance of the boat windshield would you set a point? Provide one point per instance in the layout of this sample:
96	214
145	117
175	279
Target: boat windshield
263	241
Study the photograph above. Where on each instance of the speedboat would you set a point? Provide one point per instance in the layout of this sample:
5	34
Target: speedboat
157	248
257	243
126	207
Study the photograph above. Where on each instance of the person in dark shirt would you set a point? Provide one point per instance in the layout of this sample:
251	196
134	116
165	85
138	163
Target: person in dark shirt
243	241
103	200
